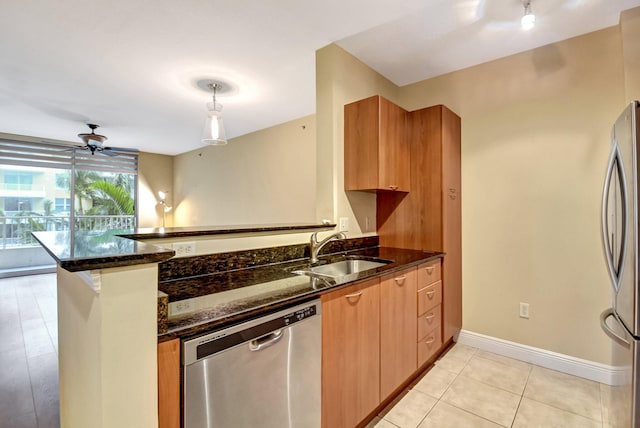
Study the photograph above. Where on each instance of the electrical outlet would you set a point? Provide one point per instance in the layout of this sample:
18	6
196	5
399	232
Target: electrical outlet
183	249
180	307
524	310
344	224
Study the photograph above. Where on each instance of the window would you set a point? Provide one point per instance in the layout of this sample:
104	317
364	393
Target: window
15	205
18	181
63	205
48	186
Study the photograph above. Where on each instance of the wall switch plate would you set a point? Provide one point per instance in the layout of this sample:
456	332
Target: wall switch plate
183	249
343	224
524	310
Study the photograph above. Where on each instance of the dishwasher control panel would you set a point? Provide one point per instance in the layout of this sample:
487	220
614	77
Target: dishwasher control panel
299	315
218	341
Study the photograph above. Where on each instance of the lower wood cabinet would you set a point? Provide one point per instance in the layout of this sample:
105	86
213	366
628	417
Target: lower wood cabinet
350	354
169	384
429	332
398	329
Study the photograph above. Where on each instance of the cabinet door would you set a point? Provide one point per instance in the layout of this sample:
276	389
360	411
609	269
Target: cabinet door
376	149
398	329
169	384
350	354
394	163
451	226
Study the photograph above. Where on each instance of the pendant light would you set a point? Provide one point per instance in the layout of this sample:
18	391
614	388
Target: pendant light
213	133
529	18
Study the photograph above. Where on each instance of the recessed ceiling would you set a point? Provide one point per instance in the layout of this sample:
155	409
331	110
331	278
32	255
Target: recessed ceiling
133	67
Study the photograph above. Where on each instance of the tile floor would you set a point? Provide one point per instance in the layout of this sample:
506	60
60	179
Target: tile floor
471	388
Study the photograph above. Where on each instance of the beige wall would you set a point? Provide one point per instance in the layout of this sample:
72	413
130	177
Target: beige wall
263	177
535	141
534	146
155	173
630	30
341	79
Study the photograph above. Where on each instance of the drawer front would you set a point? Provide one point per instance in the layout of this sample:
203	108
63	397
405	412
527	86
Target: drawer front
429	272
429	297
430	320
429	345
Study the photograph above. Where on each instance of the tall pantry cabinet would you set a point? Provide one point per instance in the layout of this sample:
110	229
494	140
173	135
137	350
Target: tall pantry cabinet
429	216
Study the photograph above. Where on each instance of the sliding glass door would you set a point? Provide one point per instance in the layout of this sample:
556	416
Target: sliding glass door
57	187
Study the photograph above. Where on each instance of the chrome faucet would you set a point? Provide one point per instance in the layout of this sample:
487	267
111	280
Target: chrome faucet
316	246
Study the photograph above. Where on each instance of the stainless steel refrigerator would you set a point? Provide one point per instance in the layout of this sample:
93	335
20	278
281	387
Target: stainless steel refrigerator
620	233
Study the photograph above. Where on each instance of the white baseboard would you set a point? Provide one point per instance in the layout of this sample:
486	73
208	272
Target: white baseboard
591	370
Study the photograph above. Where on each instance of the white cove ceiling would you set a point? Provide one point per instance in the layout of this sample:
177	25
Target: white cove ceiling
131	66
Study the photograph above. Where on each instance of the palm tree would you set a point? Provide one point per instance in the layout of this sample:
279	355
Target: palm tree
112	199
81	186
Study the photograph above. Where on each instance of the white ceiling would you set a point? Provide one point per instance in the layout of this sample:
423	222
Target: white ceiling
131	66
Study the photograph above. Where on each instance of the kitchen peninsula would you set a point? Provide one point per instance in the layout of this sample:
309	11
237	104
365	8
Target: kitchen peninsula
108	311
107	323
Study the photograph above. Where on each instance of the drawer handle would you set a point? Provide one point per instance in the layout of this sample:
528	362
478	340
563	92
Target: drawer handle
400	279
430	269
429	318
393	187
430	340
430	293
353	295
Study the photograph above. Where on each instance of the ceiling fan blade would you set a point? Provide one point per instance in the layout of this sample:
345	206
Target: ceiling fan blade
122	149
107	151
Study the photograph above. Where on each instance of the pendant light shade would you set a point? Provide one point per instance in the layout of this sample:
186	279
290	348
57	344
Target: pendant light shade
213	132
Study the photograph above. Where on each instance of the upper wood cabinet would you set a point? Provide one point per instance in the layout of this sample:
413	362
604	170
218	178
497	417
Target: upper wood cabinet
350	354
398	329
376	151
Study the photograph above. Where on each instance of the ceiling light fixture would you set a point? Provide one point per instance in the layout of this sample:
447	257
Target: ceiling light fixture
213	133
528	19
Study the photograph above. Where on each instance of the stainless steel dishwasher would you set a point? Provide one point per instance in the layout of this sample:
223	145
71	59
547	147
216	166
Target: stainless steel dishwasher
264	372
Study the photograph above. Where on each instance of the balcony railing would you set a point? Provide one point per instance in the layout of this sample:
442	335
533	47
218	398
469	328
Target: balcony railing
15	231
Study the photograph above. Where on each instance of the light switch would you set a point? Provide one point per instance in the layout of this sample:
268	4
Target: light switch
344	224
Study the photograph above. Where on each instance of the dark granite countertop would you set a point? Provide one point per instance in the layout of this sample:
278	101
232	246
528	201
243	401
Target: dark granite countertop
181	232
98	250
202	303
84	250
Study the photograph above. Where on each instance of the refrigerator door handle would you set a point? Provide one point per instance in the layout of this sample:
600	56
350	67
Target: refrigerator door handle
614	267
612	334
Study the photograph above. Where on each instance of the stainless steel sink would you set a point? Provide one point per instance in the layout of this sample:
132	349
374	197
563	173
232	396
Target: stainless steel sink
343	270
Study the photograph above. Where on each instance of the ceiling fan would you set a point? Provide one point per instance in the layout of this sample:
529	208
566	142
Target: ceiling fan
94	143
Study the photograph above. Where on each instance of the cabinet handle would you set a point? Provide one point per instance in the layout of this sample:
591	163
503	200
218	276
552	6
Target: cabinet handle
393	187
429	318
430	269
430	340
353	295
430	293
400	279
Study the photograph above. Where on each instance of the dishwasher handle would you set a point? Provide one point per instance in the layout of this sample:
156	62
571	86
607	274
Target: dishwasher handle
266	340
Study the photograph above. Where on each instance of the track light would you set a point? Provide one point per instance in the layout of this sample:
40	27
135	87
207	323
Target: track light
528	20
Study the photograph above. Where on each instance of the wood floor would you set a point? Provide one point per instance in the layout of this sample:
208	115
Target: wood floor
28	352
